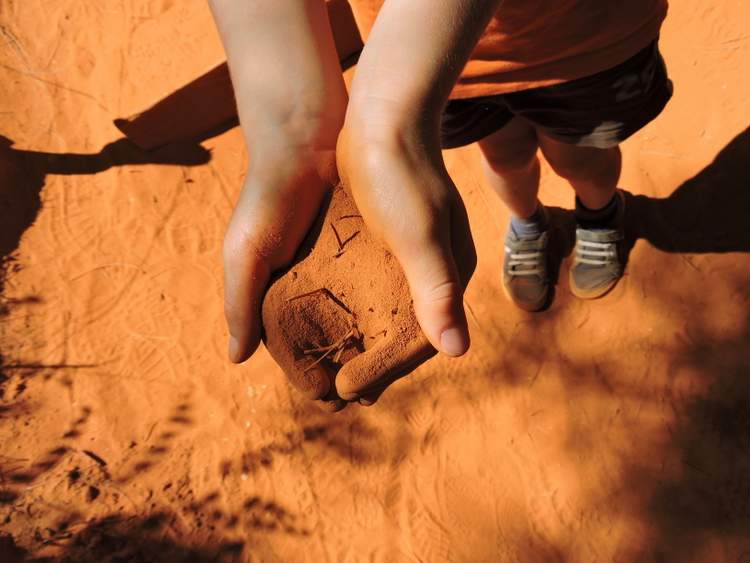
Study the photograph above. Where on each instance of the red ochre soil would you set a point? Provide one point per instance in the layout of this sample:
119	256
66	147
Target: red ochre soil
613	430
345	302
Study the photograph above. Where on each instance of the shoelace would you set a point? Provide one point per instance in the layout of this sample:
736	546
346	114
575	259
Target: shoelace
596	253
531	259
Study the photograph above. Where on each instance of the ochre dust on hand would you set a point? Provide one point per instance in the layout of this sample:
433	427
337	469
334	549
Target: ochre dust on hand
345	299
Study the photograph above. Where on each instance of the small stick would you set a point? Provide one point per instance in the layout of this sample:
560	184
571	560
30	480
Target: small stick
343	339
316	362
344	243
338	355
338	238
327	292
338	345
308	294
349	216
318	350
95	457
350	238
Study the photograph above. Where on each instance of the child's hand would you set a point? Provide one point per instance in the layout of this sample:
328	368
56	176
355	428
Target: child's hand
291	101
408	201
340	321
389	152
276	208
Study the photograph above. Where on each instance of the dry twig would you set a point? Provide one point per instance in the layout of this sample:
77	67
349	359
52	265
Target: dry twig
338	237
338	347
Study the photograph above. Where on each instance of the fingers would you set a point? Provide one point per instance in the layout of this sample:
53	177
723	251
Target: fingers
246	275
315	382
271	218
462	243
332	402
332	406
370	372
370	399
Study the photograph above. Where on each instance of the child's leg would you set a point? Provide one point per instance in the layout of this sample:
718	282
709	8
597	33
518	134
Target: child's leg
592	172
512	166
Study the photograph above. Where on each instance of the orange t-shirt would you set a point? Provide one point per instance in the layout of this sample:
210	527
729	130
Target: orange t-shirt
533	43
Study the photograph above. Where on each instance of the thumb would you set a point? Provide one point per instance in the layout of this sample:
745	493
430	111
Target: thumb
436	289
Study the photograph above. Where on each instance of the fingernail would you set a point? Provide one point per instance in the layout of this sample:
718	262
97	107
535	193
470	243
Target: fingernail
454	342
234	350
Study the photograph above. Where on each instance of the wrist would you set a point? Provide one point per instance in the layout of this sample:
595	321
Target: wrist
282	164
374	169
374	147
282	144
392	128
305	111
290	129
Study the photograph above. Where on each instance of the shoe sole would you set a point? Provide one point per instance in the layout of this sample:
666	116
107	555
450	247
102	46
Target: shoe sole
549	296
544	304
594	293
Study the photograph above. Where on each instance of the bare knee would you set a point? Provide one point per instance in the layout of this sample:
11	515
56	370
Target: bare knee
508	152
581	164
511	162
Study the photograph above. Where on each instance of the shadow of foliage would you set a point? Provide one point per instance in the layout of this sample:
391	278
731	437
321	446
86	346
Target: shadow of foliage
121	538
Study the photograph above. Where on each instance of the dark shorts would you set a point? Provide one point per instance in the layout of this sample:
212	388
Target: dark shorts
600	110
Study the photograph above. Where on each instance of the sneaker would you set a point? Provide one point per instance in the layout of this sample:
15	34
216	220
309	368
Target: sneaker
525	277
599	261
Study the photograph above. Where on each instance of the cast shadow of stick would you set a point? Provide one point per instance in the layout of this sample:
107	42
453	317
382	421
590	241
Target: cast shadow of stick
23	174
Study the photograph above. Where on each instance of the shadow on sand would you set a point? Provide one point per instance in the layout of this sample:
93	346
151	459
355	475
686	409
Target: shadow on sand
22	177
706	500
709	499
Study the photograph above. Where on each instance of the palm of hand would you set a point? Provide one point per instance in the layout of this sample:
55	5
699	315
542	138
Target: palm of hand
340	321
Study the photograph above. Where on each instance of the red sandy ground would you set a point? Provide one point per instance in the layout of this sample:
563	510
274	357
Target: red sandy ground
615	430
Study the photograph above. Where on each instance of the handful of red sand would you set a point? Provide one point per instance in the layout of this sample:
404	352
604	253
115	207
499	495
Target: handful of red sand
340	321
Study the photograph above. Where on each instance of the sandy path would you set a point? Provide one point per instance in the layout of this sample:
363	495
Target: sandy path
607	431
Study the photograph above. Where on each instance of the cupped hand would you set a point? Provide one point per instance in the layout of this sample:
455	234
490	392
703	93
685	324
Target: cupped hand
409	202
275	210
340	321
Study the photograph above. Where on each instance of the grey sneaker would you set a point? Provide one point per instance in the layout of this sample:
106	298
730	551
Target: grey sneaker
599	261
525	271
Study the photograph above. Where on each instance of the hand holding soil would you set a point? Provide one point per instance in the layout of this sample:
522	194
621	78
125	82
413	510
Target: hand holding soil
340	320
